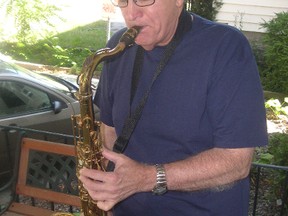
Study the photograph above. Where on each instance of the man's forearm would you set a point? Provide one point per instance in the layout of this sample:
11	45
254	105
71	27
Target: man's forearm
211	169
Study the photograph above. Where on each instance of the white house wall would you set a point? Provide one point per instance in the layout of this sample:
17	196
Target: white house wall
248	15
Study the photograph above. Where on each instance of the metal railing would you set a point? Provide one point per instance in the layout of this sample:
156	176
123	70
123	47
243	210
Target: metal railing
269	190
29	131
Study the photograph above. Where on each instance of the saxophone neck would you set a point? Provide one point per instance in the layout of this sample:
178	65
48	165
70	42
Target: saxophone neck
91	63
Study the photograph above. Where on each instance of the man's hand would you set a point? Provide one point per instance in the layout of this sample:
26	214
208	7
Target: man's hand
128	178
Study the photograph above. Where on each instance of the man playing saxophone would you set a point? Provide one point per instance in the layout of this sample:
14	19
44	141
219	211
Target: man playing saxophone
191	150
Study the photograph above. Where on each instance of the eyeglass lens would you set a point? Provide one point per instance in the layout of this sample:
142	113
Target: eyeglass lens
140	3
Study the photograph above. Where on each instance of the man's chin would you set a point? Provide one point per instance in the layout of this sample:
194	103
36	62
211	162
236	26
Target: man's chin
141	41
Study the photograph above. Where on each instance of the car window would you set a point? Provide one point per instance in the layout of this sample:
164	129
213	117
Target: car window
18	98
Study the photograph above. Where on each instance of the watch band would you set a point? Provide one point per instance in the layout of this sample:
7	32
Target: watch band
161	183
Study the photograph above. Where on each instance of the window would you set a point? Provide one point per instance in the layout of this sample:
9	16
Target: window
18	99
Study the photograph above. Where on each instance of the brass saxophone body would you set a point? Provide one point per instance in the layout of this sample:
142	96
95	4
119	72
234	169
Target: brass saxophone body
86	130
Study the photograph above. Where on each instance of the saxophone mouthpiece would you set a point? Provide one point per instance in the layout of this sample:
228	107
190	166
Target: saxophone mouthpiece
129	36
137	28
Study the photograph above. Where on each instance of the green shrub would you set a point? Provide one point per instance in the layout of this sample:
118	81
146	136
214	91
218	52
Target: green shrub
275	75
278	147
26	13
42	52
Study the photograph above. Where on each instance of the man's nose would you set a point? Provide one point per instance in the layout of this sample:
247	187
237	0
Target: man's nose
132	11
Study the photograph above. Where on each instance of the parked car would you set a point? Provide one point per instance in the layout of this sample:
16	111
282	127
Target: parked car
31	100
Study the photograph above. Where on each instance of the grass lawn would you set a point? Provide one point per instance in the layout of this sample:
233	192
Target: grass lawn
66	49
91	36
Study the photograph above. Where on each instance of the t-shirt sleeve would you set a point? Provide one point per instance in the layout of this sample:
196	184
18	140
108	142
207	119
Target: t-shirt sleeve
235	97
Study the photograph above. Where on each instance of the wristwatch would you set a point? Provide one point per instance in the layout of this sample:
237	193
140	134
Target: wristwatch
161	183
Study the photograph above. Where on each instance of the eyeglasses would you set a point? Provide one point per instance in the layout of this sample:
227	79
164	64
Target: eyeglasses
140	3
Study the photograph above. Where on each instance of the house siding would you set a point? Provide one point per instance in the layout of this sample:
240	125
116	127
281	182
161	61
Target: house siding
248	15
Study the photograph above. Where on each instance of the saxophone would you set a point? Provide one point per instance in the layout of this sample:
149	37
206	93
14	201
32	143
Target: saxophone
86	130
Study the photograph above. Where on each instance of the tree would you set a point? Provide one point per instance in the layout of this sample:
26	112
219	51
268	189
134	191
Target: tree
27	13
205	8
275	74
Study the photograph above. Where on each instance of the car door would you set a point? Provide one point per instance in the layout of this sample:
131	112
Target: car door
28	104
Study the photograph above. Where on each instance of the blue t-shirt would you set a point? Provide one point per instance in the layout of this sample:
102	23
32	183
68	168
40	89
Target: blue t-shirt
209	95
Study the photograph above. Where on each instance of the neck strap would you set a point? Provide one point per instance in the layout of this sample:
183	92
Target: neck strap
121	143
185	24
